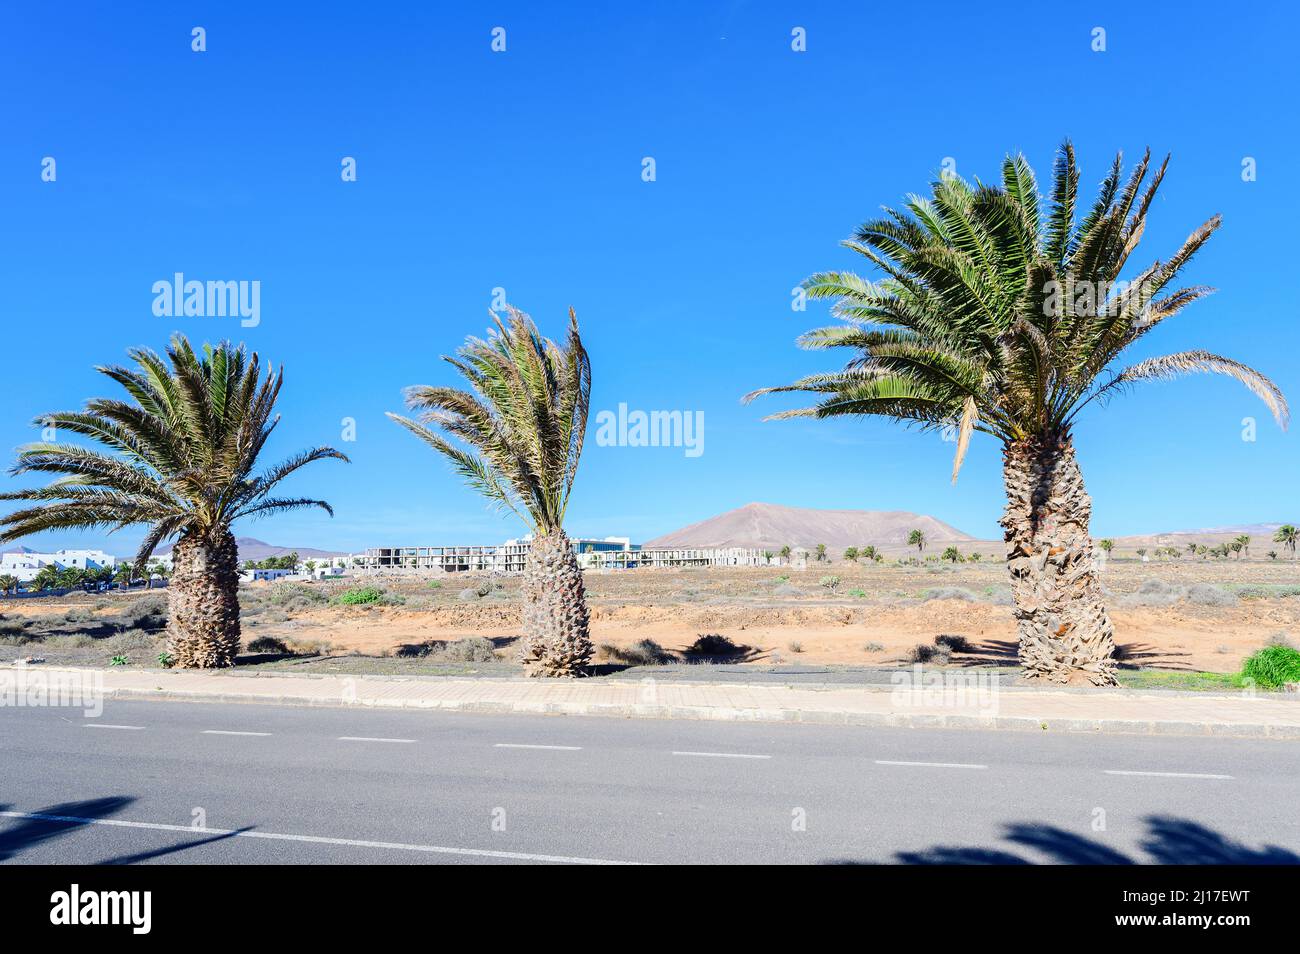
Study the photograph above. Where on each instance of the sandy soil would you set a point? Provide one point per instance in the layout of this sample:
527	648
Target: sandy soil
1185	614
875	615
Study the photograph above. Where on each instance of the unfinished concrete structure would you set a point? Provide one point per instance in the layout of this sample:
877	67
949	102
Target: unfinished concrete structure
609	553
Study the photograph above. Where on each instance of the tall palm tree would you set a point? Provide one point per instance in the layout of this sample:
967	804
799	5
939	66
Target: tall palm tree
179	458
522	428
999	316
916	539
1287	535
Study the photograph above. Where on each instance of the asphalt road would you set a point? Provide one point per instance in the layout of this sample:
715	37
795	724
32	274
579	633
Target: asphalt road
334	786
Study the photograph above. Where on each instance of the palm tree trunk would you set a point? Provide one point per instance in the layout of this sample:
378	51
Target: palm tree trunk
203	602
1064	631
555	639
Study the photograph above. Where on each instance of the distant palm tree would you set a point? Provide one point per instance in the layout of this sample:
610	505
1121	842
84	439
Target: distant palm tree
851	554
1141	552
916	539
869	552
180	459
821	553
1287	535
524	424
1272	554
996	315
47	578
123	575
8	584
1244	544
951	554
1191	549
1106	544
785	552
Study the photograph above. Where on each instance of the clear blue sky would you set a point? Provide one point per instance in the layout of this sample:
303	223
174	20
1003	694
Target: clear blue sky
522	170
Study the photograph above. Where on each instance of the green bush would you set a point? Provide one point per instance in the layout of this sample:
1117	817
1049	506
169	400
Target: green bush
360	596
119	661
268	644
1272	667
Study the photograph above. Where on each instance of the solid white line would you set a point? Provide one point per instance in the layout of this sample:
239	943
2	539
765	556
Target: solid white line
933	764
317	839
367	738
104	725
230	732
1166	774
520	745
723	755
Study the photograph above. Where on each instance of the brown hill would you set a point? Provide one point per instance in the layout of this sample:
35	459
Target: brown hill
770	527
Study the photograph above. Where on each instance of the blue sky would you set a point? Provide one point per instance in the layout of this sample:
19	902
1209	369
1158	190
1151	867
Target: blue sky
522	170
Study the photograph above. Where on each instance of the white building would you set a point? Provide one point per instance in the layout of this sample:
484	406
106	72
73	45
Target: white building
25	566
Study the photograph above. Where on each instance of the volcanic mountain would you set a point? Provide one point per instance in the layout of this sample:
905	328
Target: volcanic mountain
250	548
771	526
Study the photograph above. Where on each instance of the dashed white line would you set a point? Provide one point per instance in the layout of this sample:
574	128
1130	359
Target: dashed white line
105	725
724	755
960	765
230	732
520	745
1166	774
367	738
317	839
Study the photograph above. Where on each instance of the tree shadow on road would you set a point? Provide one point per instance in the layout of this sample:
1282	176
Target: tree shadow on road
1169	841
54	821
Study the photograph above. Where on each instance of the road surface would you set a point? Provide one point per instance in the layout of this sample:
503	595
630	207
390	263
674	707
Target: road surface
175	782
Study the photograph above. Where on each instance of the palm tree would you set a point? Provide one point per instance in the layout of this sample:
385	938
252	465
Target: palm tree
998	316
821	553
47	578
951	554
916	539
1243	542
523	426
8	584
122	574
869	552
1191	549
1106	544
179	459
785	553
1287	535
851	554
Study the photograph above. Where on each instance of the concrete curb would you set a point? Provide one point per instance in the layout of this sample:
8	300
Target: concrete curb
759	715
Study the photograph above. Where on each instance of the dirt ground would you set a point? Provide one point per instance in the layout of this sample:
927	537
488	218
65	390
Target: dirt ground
1193	615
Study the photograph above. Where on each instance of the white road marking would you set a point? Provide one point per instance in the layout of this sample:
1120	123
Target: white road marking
723	755
965	765
230	732
317	839
520	745
105	725
1166	774
367	738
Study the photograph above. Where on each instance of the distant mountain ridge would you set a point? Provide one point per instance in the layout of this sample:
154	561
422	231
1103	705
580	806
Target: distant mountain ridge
250	548
771	526
1258	532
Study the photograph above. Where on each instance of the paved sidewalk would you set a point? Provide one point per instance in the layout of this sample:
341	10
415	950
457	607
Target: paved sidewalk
969	704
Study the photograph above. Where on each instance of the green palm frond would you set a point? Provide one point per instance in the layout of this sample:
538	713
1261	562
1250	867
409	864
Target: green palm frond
1001	313
521	427
178	456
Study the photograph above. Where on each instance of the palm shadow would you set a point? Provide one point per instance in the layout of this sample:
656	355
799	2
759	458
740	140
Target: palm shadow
1169	841
60	819
1005	652
54	821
